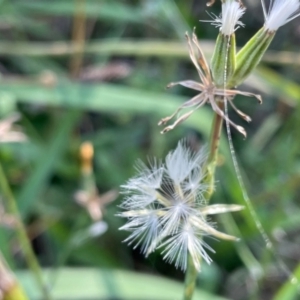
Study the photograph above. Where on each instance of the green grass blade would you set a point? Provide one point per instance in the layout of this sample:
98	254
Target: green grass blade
46	163
107	98
290	290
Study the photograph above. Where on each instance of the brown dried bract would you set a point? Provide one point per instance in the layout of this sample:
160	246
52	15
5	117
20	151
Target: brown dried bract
10	133
95	203
209	93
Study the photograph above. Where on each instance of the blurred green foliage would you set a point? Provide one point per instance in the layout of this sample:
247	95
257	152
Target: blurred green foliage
95	70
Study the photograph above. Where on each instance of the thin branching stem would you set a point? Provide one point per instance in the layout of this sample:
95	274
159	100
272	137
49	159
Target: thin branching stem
191	272
23	239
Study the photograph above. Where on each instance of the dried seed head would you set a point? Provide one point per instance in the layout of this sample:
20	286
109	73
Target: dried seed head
208	92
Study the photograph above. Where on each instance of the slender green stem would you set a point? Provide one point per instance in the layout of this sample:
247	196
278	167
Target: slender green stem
215	137
191	272
24	241
213	152
190	280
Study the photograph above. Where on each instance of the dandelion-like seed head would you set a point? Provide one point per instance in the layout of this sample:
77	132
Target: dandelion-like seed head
280	12
229	21
165	208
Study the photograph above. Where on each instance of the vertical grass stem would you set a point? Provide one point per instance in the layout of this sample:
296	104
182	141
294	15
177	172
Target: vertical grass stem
23	239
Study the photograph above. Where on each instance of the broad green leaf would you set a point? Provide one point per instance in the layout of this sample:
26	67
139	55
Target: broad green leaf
88	283
107	98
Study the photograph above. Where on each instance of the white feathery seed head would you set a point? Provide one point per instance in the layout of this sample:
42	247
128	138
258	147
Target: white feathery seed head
145	227
280	12
186	240
229	21
182	156
165	207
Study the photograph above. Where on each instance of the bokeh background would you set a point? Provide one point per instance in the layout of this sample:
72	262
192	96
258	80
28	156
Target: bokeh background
96	71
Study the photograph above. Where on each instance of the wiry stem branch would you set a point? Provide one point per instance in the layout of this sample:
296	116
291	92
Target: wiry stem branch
24	241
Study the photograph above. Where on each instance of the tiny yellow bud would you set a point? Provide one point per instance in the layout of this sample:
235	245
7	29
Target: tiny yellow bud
86	155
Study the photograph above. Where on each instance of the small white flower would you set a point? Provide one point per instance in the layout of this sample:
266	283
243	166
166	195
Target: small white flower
97	228
95	203
232	11
165	208
280	12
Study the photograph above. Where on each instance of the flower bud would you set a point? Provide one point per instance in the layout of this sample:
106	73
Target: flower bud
278	14
223	60
250	55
